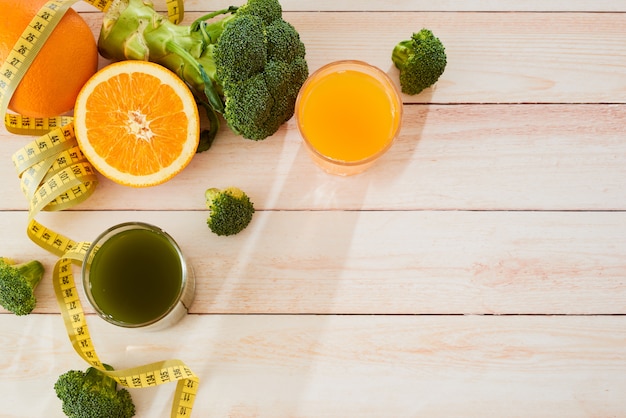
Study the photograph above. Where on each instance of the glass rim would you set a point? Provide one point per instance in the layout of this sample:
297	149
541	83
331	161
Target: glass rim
112	231
374	71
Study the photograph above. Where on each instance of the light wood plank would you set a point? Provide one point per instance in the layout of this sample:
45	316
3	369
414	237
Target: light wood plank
343	366
411	5
492	57
483	206
521	157
344	262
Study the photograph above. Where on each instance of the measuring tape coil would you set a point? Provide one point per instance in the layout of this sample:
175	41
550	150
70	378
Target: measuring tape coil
55	175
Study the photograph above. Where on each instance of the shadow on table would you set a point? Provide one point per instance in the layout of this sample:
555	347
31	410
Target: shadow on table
299	262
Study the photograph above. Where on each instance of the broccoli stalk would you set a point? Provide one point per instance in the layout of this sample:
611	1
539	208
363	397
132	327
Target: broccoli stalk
247	65
17	285
231	210
93	394
421	61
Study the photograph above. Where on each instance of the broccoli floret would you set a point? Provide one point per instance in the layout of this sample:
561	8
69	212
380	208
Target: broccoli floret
234	64
269	11
256	77
421	61
93	394
231	210
262	54
17	285
247	65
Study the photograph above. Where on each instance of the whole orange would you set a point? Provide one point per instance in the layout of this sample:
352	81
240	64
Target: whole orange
64	64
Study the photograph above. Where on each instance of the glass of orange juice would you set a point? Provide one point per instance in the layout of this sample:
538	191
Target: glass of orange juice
348	113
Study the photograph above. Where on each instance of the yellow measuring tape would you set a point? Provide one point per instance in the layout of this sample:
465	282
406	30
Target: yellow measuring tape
75	323
55	175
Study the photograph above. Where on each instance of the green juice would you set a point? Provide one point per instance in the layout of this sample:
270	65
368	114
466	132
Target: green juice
135	276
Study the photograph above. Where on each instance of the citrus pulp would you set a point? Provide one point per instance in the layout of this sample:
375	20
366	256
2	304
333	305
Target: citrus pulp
137	123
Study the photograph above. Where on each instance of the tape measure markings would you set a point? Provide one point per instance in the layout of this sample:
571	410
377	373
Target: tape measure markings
102	5
59	162
49	240
65	189
27	46
55	175
31	178
73	314
137	377
175	10
24	125
46	146
30	43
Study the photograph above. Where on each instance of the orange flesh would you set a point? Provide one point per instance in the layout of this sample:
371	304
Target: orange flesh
132	132
348	115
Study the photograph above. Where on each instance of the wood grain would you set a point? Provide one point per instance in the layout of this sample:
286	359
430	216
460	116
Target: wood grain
381	262
492	57
477	271
340	366
411	5
487	157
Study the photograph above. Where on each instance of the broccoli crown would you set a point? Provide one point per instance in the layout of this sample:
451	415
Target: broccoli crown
259	68
17	285
217	57
240	51
231	210
268	10
92	394
421	61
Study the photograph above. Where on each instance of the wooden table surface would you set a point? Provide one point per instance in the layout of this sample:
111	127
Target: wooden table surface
478	270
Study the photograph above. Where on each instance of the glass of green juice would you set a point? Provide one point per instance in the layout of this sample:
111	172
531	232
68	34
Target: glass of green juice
135	276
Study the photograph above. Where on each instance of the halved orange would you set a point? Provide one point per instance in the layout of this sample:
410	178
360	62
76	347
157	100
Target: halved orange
137	123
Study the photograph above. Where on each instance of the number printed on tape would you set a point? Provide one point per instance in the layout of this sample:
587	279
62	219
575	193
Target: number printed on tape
55	175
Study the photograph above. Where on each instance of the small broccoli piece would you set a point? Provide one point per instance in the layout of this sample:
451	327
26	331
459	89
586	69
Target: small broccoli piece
93	394
231	210
17	285
421	61
247	65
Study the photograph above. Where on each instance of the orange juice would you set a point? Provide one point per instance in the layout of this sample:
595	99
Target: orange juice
348	113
